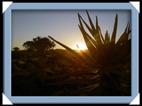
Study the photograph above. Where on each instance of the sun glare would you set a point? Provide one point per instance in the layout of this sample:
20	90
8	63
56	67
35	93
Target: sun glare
80	46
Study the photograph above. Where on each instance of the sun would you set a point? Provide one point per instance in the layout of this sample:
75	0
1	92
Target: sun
80	46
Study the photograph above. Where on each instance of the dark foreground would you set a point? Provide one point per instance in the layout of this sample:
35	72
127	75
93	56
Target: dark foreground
60	74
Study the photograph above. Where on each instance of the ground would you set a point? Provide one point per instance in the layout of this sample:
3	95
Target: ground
59	73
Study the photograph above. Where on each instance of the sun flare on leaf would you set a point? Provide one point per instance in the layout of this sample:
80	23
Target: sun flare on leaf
80	46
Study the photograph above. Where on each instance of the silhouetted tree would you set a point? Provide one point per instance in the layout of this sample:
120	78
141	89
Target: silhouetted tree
29	45
39	45
16	49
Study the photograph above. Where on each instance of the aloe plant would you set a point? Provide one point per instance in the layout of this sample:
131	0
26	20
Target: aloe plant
105	52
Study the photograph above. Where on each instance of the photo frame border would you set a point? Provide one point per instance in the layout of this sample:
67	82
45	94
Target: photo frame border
71	99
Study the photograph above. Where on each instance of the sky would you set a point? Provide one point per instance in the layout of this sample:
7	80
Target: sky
62	24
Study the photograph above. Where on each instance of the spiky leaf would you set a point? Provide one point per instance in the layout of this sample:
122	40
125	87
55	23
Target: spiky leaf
91	23
80	18
114	30
124	37
89	44
100	33
107	38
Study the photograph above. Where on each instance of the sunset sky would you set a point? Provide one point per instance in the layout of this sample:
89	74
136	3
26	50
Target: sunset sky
61	24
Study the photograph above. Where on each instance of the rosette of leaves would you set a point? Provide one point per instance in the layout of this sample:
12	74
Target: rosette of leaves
111	57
